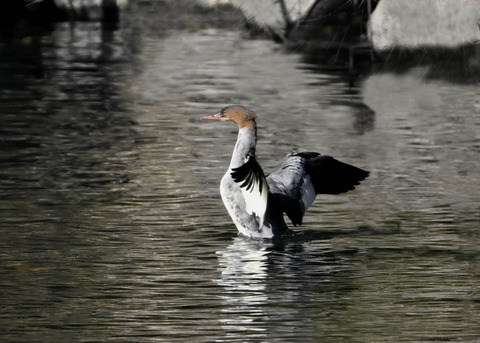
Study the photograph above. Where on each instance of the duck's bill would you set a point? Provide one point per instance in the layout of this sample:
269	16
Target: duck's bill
216	116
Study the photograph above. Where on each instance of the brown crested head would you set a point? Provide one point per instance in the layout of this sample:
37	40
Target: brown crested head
236	113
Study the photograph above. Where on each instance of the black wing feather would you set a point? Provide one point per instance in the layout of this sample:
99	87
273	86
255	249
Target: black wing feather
248	174
330	176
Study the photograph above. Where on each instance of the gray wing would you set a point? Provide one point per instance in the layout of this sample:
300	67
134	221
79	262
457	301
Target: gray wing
301	176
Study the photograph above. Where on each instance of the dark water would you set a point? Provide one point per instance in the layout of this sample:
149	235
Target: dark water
112	228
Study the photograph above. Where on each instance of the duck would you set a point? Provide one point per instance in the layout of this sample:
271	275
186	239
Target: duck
257	202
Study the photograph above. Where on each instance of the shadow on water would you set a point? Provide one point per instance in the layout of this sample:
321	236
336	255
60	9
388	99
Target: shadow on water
65	145
62	124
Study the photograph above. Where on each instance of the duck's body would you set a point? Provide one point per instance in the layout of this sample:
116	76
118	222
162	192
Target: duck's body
257	203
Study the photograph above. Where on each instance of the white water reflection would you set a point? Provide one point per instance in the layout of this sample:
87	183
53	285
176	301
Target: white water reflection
269	290
243	266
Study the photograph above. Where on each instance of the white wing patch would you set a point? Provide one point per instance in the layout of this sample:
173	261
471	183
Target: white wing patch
256	200
307	192
254	187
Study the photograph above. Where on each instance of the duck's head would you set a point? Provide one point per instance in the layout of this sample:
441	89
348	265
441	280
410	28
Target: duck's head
240	115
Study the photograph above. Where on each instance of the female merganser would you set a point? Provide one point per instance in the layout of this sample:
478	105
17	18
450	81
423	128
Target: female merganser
257	202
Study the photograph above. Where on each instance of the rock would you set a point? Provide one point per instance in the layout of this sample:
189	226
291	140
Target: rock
407	24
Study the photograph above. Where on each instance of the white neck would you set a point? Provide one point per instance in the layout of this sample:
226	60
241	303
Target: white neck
246	142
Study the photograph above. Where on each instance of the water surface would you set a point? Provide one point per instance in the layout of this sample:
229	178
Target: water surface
113	229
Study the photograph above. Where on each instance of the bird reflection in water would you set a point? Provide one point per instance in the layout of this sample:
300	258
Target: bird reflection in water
259	275
243	267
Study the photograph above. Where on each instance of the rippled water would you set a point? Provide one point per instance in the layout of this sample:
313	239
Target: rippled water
113	229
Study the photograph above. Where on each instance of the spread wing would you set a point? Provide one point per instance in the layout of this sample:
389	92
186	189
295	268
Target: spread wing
254	187
303	175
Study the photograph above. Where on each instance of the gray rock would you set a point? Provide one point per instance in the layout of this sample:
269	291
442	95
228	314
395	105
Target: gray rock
424	23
